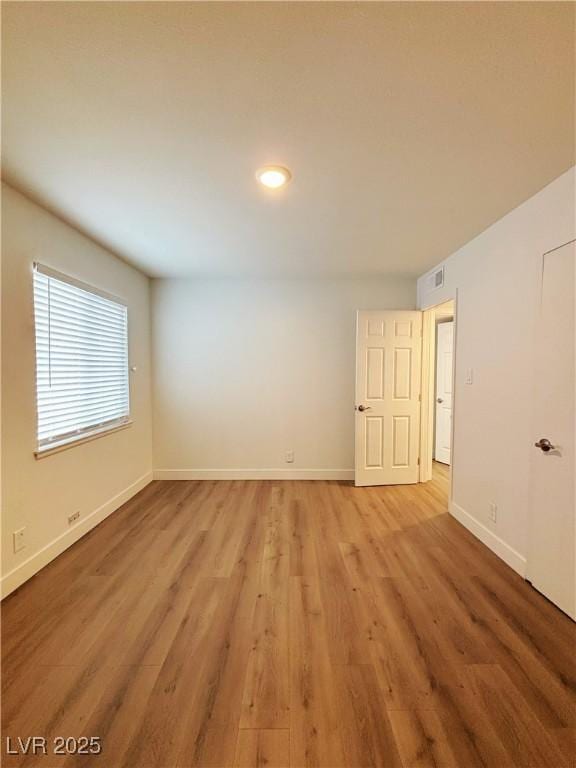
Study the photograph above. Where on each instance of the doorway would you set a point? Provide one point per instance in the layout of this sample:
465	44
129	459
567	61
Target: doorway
552	521
437	405
400	428
444	361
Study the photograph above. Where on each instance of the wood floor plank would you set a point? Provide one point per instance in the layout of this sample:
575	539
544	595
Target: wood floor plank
526	740
407	669
113	719
366	733
226	624
266	687
565	738
263	749
315	734
546	685
422	739
165	716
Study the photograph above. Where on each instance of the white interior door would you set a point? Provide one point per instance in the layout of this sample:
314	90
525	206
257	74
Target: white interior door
388	359
444	356
551	557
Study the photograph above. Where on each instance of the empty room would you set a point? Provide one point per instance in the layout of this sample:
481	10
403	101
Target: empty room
288	396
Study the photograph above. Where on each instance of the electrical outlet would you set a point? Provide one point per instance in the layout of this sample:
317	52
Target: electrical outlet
289	457
493	510
73	517
19	538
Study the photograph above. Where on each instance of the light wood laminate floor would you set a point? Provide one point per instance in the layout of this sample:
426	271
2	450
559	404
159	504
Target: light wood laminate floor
262	623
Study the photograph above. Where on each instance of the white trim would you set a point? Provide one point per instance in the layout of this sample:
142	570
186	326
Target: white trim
79	439
37	561
43	269
254	474
504	551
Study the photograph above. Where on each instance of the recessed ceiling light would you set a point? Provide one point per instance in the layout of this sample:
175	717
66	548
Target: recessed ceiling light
273	176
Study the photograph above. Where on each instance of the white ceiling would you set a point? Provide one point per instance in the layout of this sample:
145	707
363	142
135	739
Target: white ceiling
409	127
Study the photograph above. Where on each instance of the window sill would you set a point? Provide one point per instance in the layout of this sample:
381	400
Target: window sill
74	441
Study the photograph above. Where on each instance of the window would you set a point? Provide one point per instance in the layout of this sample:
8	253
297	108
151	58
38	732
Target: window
82	386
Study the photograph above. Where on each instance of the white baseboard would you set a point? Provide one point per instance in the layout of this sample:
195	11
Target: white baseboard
504	551
254	474
37	561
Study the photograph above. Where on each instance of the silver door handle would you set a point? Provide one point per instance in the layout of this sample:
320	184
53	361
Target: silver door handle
544	444
439	400
364	407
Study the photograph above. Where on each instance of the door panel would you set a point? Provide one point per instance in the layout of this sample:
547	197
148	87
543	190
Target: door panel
551	556
388	352
375	374
402	373
401	441
444	365
374	441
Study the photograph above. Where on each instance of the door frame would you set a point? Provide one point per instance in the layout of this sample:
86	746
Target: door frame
428	386
441	321
530	549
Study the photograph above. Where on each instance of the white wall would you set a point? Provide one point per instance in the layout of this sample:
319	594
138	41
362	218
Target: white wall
248	369
95	477
495	277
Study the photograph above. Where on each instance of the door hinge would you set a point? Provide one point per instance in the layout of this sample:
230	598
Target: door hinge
418	460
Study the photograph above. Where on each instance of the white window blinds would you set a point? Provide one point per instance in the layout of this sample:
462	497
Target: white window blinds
82	382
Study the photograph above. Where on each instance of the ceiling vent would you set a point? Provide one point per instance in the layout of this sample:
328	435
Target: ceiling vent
435	279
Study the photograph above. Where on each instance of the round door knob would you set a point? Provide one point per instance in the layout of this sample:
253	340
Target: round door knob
363	407
544	444
439	400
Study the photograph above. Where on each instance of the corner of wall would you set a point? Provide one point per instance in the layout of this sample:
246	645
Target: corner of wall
504	551
24	571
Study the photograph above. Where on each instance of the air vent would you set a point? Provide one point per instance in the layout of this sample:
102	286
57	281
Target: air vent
435	279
